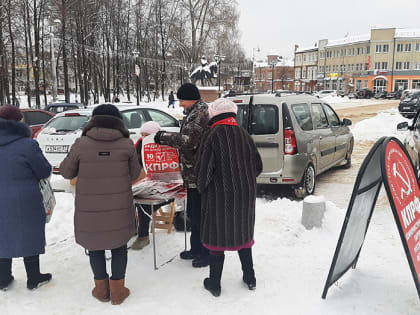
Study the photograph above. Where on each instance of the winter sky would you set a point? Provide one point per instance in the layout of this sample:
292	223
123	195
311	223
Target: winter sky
279	25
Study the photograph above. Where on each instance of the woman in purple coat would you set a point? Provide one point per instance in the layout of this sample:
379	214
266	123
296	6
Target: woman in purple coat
22	214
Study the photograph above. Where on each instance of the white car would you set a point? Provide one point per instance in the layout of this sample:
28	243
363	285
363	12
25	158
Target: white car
59	134
324	93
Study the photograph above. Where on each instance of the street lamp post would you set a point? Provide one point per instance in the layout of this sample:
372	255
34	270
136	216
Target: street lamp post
253	68
219	59
273	64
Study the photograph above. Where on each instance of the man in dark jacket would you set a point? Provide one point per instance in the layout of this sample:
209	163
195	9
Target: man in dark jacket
187	141
171	100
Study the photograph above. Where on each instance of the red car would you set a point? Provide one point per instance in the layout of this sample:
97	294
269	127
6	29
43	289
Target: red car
36	118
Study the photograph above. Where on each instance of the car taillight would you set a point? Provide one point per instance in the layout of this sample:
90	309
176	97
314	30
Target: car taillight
37	133
71	114
290	146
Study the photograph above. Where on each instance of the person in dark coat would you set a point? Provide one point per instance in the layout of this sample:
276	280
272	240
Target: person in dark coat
227	171
22	213
171	100
105	162
187	141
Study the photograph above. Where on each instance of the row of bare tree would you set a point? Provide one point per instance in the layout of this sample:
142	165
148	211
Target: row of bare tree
98	44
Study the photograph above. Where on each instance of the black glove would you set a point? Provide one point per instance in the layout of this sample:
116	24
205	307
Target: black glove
157	137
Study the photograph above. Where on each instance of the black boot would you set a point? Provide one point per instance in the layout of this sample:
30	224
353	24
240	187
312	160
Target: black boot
35	278
6	277
212	283
245	255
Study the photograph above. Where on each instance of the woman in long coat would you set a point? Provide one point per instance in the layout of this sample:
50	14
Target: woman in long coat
227	172
105	162
22	214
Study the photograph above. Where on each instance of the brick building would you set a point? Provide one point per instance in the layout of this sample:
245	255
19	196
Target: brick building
275	71
305	67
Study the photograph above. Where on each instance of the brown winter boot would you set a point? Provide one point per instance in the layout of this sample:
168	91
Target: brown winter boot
101	290
118	291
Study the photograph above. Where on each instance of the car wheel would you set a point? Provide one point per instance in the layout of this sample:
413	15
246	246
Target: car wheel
348	156
307	186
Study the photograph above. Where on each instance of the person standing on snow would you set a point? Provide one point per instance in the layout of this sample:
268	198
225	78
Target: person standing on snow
22	213
187	141
148	128
171	100
229	164
105	162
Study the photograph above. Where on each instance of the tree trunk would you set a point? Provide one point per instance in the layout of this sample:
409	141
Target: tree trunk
12	43
65	66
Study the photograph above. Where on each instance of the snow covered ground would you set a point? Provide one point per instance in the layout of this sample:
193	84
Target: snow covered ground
291	265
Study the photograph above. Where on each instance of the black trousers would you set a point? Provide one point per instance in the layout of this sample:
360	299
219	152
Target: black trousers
118	263
194	213
31	266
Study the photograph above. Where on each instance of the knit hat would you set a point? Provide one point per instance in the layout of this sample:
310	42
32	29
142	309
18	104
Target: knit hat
221	106
149	128
188	92
107	109
10	112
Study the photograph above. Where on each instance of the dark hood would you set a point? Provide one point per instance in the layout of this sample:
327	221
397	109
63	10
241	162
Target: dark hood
105	128
11	130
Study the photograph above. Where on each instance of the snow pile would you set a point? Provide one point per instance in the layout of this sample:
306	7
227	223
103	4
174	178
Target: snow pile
384	124
345	102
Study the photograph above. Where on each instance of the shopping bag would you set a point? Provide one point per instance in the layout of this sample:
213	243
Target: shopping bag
48	198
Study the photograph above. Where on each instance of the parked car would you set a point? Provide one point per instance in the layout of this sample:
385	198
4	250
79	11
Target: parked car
62	107
407	92
409	106
381	94
365	93
298	137
280	93
352	95
396	95
57	137
412	140
323	93
36	118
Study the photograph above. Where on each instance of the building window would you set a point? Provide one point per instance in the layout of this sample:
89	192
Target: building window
417	66
358	85
378	48
406	65
400	85
357	67
398	65
384	66
365	84
377	65
407	47
361	51
417	47
367	50
400	47
385	48
415	84
366	66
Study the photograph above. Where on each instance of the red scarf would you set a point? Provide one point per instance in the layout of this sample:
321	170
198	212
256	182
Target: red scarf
227	121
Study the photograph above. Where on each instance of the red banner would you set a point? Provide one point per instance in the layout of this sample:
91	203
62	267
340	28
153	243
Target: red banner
404	189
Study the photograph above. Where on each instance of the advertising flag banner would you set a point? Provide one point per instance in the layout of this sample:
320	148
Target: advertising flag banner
389	164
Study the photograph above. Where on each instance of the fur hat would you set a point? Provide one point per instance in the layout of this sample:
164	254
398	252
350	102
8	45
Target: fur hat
10	112
188	92
107	109
149	128
221	106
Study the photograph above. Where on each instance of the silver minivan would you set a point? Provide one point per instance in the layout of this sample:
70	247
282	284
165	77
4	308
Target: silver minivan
298	137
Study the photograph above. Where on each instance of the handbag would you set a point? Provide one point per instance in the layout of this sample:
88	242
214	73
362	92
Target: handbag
47	198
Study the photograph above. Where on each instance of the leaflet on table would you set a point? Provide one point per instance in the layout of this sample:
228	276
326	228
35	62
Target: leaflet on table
148	188
161	162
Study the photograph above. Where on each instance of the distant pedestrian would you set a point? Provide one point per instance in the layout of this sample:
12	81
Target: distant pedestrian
187	141
148	128
171	100
105	162
22	213
229	164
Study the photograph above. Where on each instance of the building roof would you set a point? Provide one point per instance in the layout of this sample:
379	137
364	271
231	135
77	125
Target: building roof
281	63
348	40
407	33
306	49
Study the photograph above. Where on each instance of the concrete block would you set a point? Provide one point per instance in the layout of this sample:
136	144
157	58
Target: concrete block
313	210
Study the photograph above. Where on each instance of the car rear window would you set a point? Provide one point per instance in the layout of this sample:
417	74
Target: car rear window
67	123
264	119
302	113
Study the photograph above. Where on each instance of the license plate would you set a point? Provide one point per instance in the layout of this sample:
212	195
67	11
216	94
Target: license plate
406	108
56	148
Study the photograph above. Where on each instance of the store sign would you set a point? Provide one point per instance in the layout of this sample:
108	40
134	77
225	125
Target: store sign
389	164
333	75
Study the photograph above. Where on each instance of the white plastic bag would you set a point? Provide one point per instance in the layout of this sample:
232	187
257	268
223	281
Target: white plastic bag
48	198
